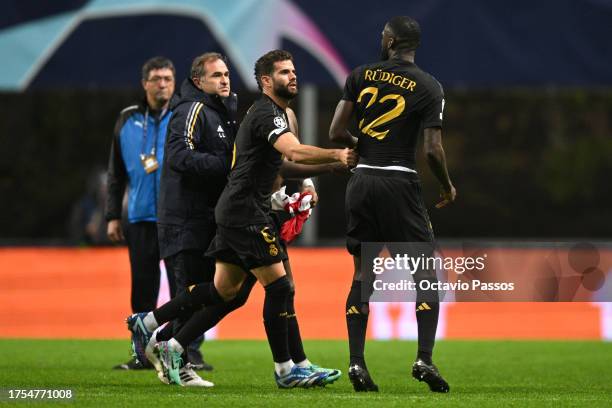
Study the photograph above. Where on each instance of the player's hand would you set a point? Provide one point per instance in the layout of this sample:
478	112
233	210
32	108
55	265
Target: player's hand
447	196
349	157
315	197
114	231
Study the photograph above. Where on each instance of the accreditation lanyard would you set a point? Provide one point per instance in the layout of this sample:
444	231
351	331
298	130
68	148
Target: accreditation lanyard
143	155
149	161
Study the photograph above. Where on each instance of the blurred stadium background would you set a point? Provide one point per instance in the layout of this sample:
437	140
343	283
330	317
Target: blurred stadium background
528	129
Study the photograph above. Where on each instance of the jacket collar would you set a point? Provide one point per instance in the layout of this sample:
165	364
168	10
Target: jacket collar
143	105
190	93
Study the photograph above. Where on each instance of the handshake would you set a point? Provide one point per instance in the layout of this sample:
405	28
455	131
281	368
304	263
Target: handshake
348	157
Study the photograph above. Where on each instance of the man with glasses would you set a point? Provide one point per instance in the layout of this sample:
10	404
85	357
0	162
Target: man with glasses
136	154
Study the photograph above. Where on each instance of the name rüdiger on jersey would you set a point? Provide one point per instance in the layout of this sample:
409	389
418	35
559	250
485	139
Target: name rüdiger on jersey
394	79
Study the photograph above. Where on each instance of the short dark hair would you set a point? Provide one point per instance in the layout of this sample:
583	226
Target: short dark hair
197	66
265	64
157	63
406	31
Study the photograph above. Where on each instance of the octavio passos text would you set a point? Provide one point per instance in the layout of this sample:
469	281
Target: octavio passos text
412	264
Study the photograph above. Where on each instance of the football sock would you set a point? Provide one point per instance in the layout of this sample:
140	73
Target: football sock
296	348
185	303
357	324
304	364
195	326
427	308
204	294
165	333
172	343
427	321
150	322
275	318
283	368
206	318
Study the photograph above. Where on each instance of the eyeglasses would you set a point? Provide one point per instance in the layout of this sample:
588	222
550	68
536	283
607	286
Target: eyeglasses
156	79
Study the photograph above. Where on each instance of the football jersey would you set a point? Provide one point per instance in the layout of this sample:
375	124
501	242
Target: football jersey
255	164
394	100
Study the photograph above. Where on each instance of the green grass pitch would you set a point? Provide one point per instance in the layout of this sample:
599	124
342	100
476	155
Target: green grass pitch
481	374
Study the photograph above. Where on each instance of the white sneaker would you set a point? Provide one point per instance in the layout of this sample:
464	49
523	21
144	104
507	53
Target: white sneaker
152	354
190	378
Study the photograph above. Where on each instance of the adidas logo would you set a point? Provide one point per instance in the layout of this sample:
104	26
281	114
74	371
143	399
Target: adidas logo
221	132
352	310
423	306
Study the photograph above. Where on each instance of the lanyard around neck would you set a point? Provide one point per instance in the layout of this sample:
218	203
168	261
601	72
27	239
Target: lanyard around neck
144	136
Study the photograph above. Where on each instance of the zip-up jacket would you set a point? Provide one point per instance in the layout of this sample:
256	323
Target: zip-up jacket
125	167
197	160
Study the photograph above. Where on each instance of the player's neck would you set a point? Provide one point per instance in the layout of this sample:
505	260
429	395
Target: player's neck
282	102
407	56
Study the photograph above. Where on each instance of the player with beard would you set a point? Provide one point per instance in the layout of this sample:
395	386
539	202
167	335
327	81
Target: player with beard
246	242
392	100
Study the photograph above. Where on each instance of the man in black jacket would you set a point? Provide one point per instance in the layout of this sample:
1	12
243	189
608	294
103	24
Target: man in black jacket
197	160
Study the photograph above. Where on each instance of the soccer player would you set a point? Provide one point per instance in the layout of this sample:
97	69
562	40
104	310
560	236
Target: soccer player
392	100
246	238
210	316
295	171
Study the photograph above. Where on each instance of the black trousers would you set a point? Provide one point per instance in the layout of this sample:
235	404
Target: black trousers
143	248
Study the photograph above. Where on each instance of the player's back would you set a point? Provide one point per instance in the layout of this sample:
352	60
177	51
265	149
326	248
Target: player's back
394	100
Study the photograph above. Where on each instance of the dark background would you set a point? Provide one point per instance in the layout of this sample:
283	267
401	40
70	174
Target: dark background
472	43
528	119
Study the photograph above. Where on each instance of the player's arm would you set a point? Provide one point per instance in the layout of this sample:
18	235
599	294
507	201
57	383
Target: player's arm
293	122
294	171
299	153
338	131
436	159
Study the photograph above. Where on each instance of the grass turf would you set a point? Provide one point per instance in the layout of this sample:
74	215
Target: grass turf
481	373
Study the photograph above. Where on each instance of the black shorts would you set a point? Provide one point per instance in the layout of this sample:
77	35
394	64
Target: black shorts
277	220
249	247
385	206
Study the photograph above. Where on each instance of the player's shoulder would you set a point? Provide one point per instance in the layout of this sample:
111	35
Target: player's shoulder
264	107
429	80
